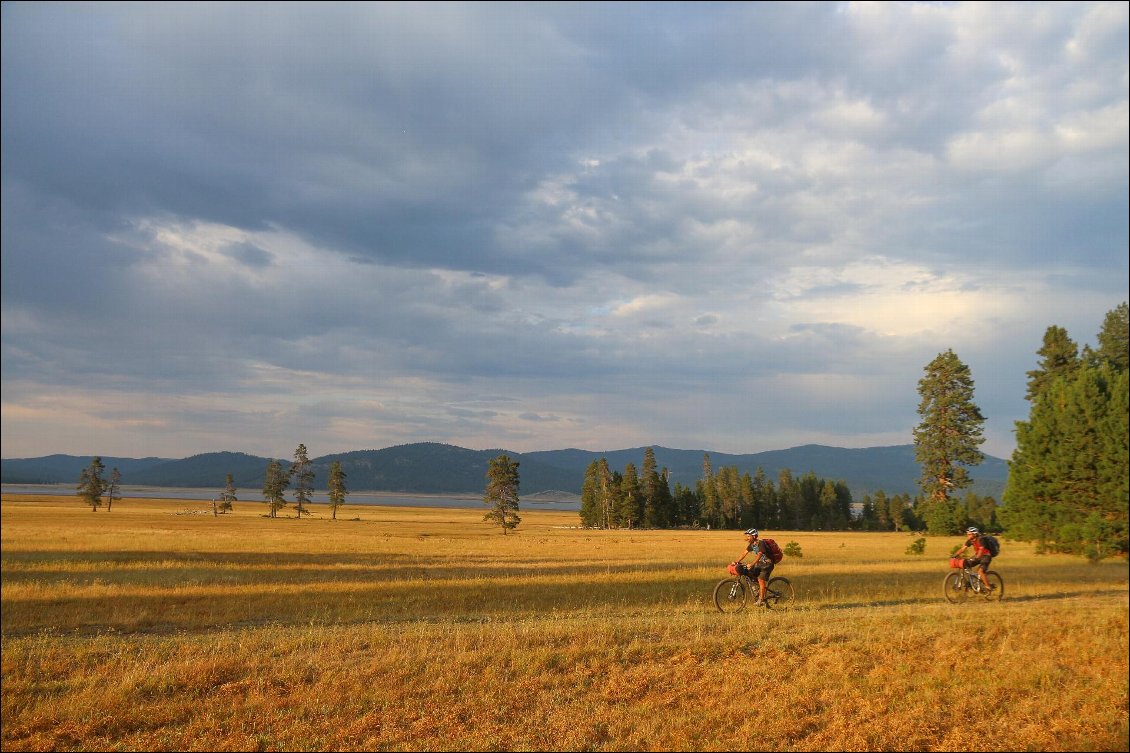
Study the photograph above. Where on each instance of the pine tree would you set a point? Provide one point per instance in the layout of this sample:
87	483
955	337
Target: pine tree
91	484
590	504
649	484
112	488
337	488
629	511
275	482
949	438
228	495
1058	357
1069	476
502	493
303	474
1114	339
711	510
605	486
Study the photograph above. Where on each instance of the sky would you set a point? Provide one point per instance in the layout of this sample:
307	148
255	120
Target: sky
734	227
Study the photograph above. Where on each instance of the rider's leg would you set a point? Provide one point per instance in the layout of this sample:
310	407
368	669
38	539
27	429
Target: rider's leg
761	583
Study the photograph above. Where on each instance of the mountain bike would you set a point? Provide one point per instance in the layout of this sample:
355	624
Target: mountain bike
731	594
964	584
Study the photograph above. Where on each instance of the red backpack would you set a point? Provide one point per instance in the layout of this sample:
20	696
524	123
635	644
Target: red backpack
775	552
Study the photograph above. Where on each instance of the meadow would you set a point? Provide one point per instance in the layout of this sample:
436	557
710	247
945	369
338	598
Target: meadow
158	626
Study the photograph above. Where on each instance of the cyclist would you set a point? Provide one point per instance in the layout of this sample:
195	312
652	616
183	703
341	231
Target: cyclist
981	555
762	562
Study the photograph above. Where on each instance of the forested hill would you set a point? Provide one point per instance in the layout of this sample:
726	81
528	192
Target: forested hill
431	468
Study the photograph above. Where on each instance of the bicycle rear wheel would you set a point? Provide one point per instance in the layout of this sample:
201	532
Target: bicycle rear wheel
955	588
996	592
730	595
779	593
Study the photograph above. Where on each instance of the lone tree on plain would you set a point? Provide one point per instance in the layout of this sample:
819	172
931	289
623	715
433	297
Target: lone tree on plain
274	487
337	488
91	485
502	493
112	488
948	439
227	496
303	475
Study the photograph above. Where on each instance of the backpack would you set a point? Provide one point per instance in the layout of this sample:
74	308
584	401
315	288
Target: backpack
775	552
991	544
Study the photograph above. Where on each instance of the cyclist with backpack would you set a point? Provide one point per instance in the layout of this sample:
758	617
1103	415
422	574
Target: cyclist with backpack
763	561
985	547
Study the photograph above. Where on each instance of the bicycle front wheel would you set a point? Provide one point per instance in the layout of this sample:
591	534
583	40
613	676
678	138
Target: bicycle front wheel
955	588
996	587
730	595
779	593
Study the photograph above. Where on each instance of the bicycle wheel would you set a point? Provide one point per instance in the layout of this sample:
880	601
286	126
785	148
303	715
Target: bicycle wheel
996	592
955	588
779	593
730	595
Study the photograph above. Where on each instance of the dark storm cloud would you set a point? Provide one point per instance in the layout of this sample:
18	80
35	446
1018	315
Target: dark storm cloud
376	214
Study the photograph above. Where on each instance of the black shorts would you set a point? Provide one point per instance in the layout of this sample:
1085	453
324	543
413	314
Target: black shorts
981	562
762	571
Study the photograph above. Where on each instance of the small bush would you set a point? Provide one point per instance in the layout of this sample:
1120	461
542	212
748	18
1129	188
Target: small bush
918	547
792	549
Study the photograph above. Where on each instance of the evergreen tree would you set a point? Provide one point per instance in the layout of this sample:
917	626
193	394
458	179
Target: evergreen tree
1114	339
112	488
502	493
687	505
337	488
728	492
711	514
275	482
228	495
790	501
605	484
1068	476
91	485
590	503
900	513
303	475
764	501
649	484
882	507
949	437
751	503
629	511
1058	357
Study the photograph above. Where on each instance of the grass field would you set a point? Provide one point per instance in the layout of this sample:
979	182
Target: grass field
160	627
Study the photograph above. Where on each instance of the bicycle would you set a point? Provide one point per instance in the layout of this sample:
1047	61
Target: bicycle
965	584
731	594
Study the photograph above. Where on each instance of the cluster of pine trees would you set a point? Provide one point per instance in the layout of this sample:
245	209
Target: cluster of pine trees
642	498
1069	477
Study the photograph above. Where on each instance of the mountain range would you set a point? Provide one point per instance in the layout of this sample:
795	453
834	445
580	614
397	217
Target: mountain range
433	468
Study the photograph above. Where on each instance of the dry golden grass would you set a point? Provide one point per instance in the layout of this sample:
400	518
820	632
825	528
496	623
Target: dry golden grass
161	627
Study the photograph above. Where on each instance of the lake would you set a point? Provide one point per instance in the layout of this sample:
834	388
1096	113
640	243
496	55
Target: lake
533	502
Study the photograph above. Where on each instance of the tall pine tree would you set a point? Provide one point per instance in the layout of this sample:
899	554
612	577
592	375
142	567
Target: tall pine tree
502	493
948	439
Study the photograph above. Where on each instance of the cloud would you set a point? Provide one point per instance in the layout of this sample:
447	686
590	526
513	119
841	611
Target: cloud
599	226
